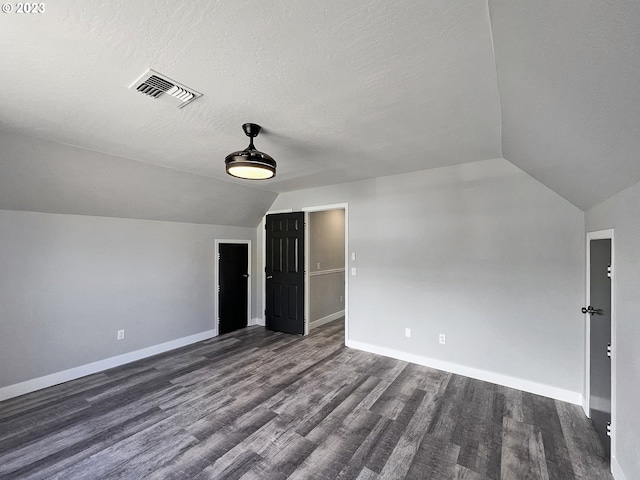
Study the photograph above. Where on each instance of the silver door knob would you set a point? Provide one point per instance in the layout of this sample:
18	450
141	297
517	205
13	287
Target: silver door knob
269	277
590	310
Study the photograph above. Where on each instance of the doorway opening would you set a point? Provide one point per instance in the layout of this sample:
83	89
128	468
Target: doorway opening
600	327
325	266
343	207
233	271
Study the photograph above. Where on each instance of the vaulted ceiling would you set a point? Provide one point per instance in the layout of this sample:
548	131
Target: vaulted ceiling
344	91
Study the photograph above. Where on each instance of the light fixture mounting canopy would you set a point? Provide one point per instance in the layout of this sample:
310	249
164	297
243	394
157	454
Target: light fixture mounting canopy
251	164
251	129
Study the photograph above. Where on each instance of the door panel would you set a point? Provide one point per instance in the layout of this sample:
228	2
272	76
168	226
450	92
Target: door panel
292	255
285	272
233	283
600	339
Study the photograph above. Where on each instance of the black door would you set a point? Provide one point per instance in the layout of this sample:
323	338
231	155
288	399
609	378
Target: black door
600	317
285	273
232	292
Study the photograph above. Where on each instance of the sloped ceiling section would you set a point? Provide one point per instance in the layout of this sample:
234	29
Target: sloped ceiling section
343	90
569	80
43	176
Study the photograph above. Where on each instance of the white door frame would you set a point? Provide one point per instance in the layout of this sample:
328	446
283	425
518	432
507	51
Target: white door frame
322	208
316	208
601	235
216	315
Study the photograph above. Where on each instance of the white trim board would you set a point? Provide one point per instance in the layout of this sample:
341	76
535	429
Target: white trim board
39	383
491	377
326	272
322	208
616	471
327	319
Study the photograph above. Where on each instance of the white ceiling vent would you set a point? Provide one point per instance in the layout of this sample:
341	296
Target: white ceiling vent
156	85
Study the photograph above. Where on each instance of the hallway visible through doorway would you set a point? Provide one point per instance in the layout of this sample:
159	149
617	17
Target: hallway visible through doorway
326	266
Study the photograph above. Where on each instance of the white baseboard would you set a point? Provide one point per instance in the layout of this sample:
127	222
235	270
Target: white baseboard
99	366
327	319
257	321
497	378
616	471
585	409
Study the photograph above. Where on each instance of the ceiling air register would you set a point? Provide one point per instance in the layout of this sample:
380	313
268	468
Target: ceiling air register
159	86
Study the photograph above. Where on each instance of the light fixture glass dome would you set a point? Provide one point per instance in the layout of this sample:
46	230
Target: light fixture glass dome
250	163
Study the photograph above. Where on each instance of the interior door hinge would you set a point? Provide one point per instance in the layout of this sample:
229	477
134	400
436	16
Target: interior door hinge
608	271
609	350
218	288
609	428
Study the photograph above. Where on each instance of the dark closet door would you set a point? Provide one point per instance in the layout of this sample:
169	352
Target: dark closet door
285	272
600	363
232	290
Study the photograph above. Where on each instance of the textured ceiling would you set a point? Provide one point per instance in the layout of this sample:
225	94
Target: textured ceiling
343	90
569	78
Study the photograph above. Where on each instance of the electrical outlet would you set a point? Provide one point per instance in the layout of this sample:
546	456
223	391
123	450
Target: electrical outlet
442	338
120	334
407	332
353	271
318	266
340	298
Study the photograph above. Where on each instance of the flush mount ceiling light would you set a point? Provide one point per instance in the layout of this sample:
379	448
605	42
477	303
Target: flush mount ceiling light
250	163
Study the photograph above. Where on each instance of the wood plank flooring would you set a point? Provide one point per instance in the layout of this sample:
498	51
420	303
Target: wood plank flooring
256	404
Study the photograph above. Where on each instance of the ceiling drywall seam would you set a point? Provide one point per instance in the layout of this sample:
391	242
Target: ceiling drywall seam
495	67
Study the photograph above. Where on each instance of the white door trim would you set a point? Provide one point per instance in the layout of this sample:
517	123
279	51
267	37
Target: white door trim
216	316
322	208
601	235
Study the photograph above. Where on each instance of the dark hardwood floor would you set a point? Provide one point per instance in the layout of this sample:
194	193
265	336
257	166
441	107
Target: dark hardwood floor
260	405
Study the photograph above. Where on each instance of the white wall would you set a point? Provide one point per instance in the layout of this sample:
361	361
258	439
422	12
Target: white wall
622	213
69	282
481	252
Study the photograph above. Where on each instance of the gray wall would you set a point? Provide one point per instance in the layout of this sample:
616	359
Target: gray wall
481	252
326	248
69	282
326	240
622	213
